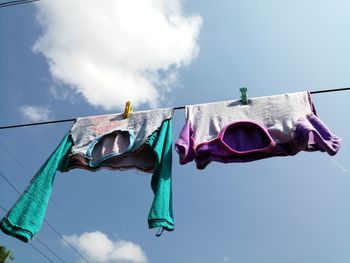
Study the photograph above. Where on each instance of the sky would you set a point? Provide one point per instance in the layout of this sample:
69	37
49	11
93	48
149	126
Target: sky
63	59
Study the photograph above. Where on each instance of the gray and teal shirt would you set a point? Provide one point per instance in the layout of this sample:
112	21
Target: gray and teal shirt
143	142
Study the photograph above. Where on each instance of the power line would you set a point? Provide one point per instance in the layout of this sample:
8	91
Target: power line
14	158
9	183
49	249
3	208
34	247
62	237
176	108
40	252
68	218
42	243
19	2
47	222
52	199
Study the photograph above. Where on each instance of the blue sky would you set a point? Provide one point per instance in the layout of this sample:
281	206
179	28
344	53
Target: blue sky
290	209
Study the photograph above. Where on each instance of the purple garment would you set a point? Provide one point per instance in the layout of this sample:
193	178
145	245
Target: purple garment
249	140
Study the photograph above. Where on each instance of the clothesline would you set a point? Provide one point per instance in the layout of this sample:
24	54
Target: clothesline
175	108
213	132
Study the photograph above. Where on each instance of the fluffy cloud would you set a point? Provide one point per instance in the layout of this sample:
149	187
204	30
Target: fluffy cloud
35	113
111	51
98	248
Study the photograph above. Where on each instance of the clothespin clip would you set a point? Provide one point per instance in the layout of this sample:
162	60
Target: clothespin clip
127	110
244	96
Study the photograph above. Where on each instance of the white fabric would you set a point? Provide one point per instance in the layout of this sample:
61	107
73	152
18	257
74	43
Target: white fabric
278	114
141	124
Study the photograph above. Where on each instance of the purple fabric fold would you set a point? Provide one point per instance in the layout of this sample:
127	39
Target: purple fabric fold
184	145
311	134
247	140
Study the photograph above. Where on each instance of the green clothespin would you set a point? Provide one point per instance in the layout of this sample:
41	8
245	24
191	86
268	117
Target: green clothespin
244	96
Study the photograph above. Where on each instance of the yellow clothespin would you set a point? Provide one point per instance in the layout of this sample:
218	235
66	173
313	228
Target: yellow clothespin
127	109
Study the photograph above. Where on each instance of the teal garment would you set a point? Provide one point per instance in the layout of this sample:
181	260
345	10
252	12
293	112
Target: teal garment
161	213
24	219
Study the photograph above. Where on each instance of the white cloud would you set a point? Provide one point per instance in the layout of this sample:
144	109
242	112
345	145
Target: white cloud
98	248
111	51
35	113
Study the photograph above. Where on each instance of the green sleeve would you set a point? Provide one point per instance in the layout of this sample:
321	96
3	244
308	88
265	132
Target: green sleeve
24	219
161	212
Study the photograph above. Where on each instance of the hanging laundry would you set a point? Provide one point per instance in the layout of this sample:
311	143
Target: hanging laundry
269	126
143	142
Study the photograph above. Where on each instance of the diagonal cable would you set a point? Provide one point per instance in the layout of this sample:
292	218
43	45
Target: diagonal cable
40	252
49	249
3	208
47	222
52	199
65	240
9	183
34	247
11	3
